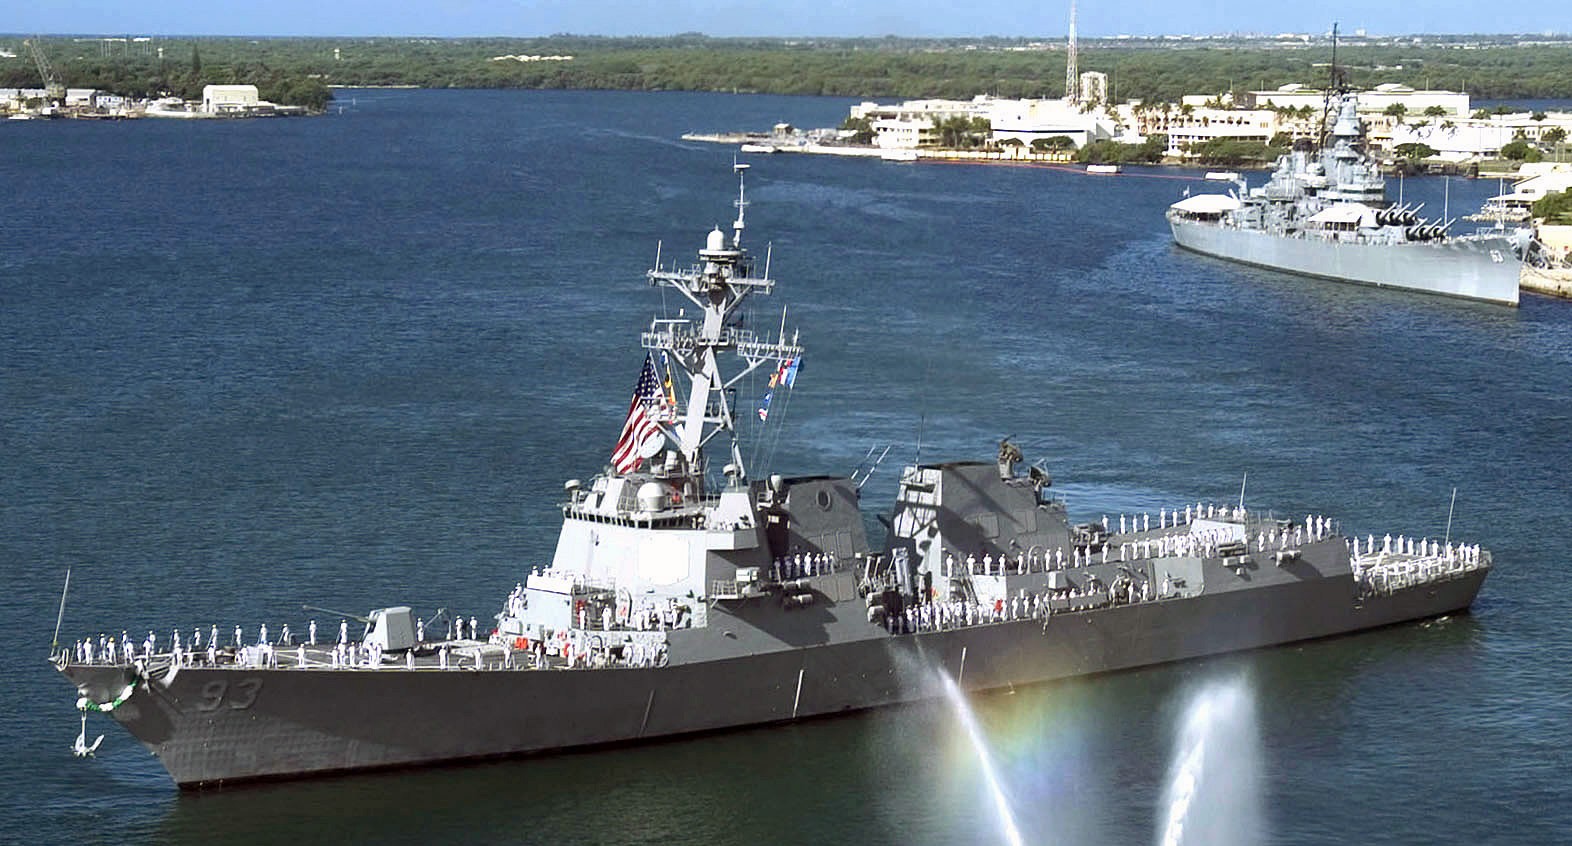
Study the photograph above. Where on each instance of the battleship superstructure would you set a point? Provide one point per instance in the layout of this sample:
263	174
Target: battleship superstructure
1325	213
681	599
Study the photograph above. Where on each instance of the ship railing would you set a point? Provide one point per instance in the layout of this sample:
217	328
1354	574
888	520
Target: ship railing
694	277
686	339
1386	573
688	516
751	349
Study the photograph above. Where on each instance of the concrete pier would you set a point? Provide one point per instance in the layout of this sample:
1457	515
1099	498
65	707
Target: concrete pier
1556	282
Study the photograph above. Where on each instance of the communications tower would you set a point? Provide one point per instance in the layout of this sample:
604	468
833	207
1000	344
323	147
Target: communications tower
1072	87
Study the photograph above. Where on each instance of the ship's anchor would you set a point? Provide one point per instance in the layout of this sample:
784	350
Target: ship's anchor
83	704
80	747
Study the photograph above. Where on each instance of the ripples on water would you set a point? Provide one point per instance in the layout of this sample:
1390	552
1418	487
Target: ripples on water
349	361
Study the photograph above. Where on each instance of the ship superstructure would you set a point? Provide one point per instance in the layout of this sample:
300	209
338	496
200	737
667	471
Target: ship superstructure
1324	213
684	598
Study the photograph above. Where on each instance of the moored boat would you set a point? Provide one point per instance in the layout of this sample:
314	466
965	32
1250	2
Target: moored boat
687	594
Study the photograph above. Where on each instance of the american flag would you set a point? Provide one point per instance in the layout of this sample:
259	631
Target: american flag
641	428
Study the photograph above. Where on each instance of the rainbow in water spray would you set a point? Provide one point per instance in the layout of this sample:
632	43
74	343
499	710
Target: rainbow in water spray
963	713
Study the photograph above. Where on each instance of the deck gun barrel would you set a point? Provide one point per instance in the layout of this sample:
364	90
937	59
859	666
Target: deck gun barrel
359	617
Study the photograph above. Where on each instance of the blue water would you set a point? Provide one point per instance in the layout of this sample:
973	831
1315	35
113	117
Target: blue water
349	361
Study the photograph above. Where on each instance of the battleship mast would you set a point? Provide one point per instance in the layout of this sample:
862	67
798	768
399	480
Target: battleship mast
717	286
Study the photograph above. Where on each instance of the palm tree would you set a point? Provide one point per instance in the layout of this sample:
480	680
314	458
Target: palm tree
1554	135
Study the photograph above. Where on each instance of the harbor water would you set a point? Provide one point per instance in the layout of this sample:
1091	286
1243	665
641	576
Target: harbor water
349	361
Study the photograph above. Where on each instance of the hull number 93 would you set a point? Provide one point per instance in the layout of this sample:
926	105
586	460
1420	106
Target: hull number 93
218	693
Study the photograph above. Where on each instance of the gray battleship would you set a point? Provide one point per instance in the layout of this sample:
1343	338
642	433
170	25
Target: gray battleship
681	600
1325	213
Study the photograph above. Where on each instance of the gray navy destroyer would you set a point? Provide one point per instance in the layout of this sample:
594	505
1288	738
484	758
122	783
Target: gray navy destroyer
1325	213
685	598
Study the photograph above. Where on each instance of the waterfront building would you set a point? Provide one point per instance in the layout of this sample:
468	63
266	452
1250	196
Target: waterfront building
84	98
228	99
1374	101
1191	123
1534	181
1469	138
1029	120
16	99
912	124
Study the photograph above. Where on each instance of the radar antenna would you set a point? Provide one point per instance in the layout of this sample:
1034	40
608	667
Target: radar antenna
717	285
742	204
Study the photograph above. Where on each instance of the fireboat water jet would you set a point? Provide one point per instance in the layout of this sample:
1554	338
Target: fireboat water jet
1001	803
1213	792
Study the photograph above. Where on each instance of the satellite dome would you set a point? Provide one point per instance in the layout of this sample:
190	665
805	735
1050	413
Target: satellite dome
717	240
652	496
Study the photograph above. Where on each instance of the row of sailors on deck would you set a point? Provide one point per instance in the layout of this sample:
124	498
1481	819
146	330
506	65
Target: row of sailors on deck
1004	566
1314	525
1171	519
1191	544
800	565
266	655
954	614
581	649
1170	545
108	650
1424	547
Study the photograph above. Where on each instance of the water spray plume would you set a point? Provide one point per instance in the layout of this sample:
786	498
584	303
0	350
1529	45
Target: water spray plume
963	713
1213	787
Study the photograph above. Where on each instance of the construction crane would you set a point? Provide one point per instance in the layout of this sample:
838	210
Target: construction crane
54	89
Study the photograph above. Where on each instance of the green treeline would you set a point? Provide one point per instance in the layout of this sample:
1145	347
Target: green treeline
1149	151
1555	208
187	65
296	70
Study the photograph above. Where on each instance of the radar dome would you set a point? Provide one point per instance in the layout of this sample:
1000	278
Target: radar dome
717	240
652	496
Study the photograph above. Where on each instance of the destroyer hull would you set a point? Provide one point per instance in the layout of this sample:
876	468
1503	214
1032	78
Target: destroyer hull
212	726
1485	269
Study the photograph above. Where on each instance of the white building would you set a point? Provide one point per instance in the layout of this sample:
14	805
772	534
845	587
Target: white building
1094	88
1190	125
1535	180
82	97
1376	101
223	99
21	95
1029	120
926	110
910	124
903	134
1469	137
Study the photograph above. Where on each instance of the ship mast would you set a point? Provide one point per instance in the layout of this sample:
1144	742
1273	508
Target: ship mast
717	285
1334	87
